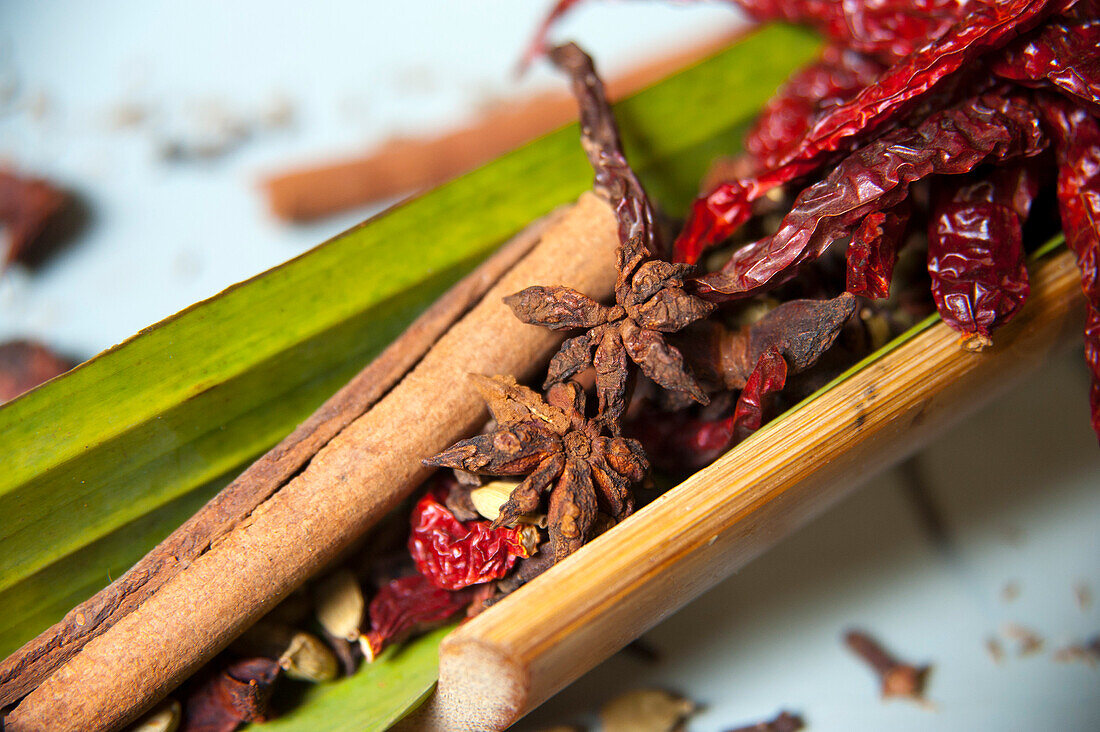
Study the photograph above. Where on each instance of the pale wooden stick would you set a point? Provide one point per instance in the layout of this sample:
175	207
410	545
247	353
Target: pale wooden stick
362	473
509	659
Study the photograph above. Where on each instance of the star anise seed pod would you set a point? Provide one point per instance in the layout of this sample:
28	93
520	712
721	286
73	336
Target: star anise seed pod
558	449
650	301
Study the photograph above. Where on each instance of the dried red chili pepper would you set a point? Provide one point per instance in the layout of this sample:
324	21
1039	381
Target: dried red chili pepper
989	128
454	554
1062	55
873	251
832	79
1077	146
986	26
406	606
888	30
976	254
241	692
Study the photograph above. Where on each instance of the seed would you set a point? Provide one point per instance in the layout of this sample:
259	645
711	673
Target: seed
165	717
307	658
490	497
340	605
645	710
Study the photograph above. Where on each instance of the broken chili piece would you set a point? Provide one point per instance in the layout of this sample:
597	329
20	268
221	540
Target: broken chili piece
408	606
769	377
873	251
557	447
454	554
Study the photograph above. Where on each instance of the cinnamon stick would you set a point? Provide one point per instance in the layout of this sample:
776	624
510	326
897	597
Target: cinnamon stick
403	165
360	474
38	658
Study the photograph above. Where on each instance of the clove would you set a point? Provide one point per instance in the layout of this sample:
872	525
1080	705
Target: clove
898	679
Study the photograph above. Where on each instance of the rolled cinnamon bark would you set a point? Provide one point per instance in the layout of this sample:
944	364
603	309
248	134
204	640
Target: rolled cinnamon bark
362	473
403	165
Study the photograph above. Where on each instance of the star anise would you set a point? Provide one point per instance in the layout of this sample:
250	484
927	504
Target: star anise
557	447
650	301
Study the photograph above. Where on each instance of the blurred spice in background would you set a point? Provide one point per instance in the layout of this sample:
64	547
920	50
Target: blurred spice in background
27	206
407	164
26	364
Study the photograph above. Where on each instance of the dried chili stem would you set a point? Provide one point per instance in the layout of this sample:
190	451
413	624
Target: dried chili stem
898	679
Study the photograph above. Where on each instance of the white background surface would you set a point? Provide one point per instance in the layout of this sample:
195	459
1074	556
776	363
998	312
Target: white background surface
1017	485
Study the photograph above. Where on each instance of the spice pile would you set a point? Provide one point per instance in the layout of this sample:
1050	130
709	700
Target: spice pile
994	95
923	139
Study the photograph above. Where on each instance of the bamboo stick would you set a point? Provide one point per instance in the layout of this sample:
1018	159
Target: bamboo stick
511	658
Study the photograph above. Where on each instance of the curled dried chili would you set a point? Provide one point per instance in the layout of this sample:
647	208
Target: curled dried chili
405	606
454	554
976	252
